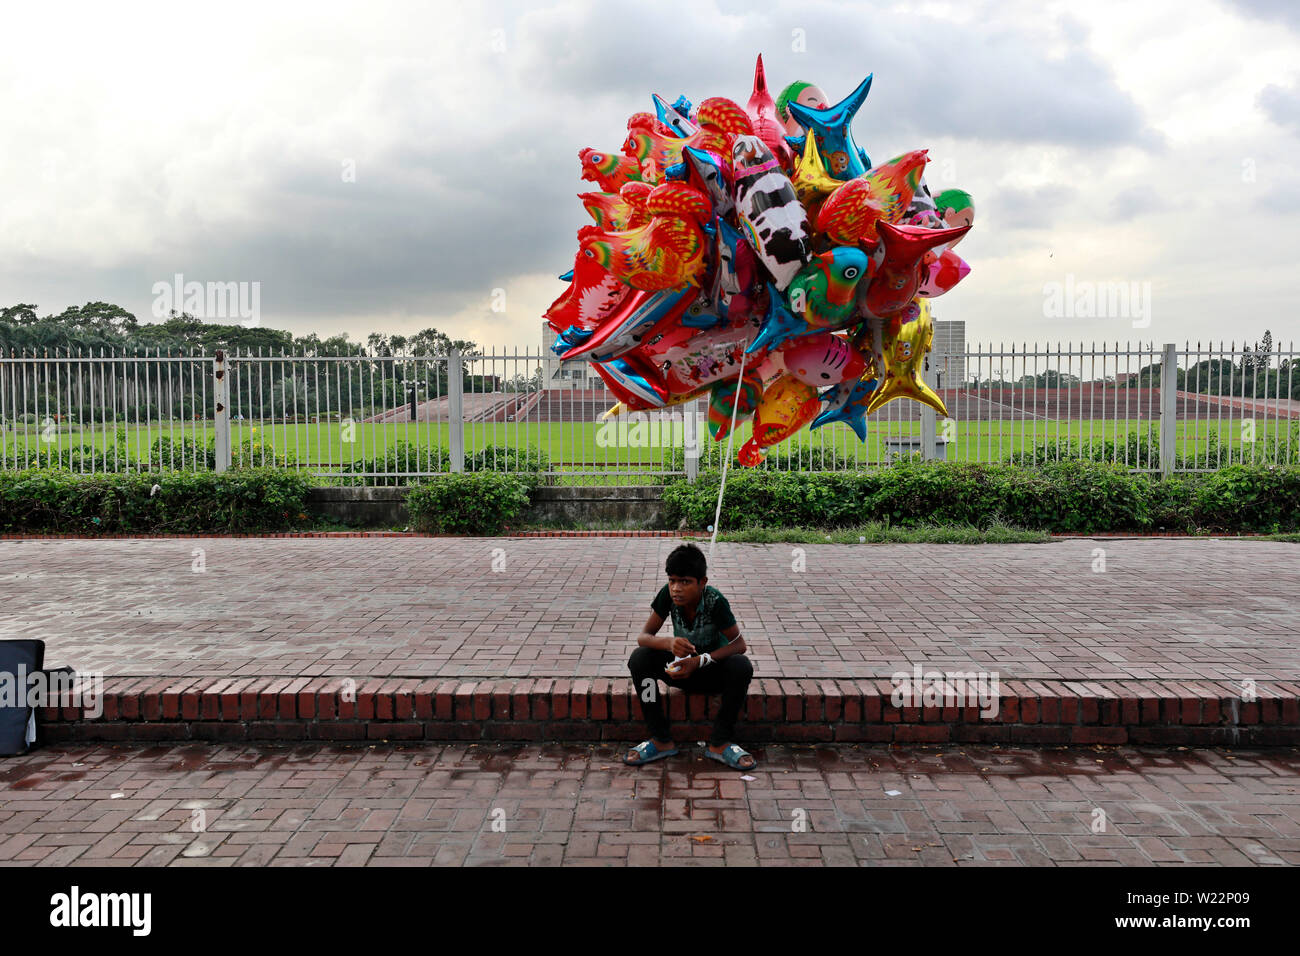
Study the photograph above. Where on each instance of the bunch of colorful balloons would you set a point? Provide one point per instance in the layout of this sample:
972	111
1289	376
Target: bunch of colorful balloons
756	254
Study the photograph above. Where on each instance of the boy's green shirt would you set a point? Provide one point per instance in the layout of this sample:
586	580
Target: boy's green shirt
712	617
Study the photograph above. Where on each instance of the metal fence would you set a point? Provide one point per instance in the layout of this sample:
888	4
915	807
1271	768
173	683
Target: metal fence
362	419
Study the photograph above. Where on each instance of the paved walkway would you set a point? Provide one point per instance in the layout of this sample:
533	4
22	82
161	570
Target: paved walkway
331	805
555	607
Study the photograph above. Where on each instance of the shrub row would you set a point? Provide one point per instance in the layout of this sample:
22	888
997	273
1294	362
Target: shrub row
1071	497
239	500
1067	497
477	503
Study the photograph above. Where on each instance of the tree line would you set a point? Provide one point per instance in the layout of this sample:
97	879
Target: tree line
389	369
1257	371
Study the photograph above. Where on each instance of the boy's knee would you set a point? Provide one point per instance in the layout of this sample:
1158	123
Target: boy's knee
738	665
642	659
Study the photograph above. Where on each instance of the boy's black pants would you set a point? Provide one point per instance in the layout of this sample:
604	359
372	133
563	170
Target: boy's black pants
730	676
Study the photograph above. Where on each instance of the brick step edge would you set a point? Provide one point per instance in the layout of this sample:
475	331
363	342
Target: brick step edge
632	731
819	707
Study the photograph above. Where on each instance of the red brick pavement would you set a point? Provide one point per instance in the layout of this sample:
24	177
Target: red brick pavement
425	608
329	805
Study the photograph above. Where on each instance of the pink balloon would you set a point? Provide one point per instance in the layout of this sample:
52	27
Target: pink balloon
767	125
822	359
942	274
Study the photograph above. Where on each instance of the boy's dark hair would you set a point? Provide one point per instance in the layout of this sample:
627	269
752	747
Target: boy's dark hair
687	561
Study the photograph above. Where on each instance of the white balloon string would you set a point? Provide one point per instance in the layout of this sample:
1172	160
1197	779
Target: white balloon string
731	433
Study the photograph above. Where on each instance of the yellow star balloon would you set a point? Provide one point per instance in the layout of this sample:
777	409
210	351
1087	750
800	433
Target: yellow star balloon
812	183
906	341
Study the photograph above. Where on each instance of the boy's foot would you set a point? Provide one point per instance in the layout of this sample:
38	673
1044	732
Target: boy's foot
637	756
743	762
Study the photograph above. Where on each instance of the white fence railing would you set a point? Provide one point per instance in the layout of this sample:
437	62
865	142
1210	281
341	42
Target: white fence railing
360	419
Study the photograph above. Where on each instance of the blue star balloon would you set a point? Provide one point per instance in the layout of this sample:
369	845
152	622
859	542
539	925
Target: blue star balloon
831	126
778	325
848	403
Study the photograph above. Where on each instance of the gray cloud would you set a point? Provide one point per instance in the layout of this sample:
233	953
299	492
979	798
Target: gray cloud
467	156
1034	208
1282	104
1283	199
570	81
1280	11
985	79
1136	201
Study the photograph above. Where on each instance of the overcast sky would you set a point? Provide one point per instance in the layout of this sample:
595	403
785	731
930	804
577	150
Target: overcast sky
1151	143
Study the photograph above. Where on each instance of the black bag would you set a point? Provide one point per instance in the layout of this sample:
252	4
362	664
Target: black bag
18	661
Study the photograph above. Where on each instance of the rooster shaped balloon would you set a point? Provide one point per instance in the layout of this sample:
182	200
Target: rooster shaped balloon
779	273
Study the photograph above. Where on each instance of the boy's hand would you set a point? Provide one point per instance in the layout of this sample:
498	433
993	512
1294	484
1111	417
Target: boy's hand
683	669
681	647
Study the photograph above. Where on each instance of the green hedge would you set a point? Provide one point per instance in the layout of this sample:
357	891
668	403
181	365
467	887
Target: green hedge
240	500
474	503
1064	497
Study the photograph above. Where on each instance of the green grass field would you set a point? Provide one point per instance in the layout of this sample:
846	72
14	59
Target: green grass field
608	446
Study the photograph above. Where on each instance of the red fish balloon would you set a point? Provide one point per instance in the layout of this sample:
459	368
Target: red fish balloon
849	215
898	274
593	295
607	170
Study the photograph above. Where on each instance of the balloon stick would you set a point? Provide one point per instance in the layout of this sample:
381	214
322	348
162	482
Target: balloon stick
731	433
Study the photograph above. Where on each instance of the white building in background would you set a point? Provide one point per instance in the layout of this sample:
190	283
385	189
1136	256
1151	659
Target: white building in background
948	353
557	374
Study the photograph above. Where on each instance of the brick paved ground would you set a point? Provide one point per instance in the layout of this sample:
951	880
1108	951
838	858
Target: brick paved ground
434	607
431	804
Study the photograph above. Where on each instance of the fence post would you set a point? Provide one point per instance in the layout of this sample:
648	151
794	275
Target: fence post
929	417
1168	409
221	399
691	437
456	408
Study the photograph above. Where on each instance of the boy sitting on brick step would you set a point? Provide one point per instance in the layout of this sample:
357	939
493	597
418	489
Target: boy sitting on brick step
710	657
